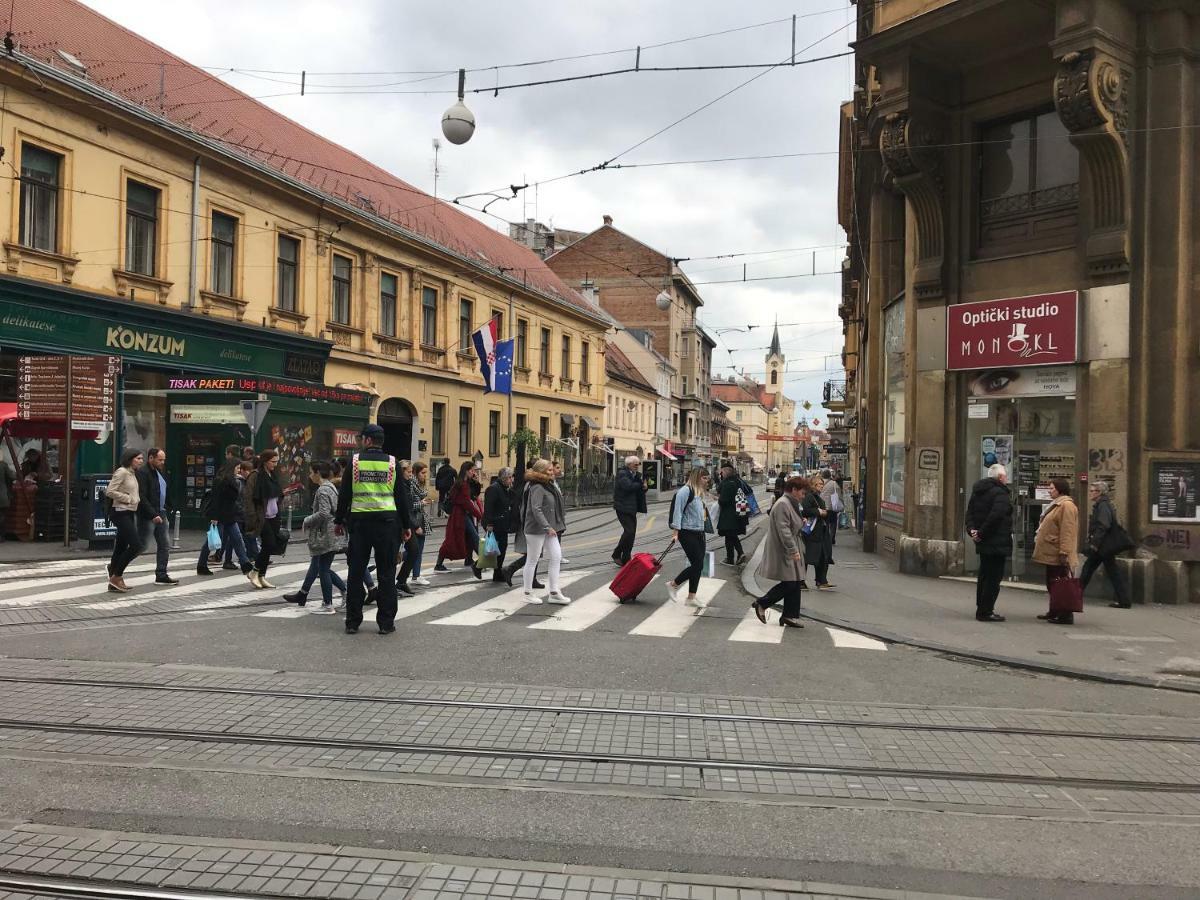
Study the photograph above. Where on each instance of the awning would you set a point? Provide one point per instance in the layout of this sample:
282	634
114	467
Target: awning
568	419
668	454
590	422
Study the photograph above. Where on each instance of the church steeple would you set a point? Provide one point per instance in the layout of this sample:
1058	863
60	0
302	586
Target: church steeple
775	360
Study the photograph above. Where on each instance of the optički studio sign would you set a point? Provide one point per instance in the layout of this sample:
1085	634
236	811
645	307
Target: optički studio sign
1021	331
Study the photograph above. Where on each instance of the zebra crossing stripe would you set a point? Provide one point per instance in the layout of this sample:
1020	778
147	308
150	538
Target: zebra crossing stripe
752	631
852	640
582	613
430	598
496	608
674	619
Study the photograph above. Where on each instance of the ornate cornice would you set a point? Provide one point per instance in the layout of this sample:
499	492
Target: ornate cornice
912	154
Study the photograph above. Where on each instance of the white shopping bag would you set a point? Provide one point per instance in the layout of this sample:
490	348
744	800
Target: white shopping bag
710	565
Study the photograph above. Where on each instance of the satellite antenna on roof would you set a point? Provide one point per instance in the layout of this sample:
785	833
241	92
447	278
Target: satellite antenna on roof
437	146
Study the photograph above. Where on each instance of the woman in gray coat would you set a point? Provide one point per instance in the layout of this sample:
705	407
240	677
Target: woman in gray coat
324	543
783	556
543	521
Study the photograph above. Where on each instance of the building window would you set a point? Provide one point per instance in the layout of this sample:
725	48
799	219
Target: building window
1028	182
341	289
429	317
286	261
464	431
522	419
388	289
685	347
438	429
585	363
465	312
141	227
40	181
544	431
774	376
499	318
685	385
224	242
566	357
544	362
737	415
522	344
493	432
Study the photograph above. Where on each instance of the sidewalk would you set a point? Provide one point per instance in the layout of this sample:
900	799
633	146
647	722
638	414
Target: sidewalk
1155	645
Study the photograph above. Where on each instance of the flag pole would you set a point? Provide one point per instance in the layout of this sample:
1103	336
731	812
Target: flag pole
512	325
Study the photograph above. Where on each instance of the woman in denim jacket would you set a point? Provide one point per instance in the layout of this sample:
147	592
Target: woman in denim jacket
689	522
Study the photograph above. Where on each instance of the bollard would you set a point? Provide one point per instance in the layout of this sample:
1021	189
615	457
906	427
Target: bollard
178	521
289	518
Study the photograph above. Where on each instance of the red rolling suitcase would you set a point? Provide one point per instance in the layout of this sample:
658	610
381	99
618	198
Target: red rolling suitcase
636	574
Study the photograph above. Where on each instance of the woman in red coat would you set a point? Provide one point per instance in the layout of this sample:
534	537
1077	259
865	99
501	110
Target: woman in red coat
462	530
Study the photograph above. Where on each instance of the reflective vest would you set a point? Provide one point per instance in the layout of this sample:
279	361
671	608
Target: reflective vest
373	482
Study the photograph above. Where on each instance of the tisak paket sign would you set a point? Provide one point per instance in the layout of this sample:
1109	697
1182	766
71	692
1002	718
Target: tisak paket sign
1039	330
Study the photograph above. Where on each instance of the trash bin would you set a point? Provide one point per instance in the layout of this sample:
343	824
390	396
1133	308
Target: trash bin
89	514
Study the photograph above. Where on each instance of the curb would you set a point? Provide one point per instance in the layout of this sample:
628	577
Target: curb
751	587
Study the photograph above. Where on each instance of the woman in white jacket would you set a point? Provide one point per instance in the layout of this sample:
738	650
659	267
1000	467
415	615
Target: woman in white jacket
123	491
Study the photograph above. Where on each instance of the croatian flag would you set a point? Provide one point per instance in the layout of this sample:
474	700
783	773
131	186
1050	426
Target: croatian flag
495	359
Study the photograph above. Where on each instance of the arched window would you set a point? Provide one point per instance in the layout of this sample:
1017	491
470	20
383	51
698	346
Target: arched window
774	376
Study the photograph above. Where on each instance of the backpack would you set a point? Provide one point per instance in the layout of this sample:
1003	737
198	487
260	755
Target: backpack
671	512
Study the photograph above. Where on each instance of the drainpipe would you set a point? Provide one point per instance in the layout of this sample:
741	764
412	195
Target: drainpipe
194	259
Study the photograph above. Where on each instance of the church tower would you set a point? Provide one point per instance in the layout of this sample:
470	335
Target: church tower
775	362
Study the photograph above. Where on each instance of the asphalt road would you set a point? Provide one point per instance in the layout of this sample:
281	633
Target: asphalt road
971	853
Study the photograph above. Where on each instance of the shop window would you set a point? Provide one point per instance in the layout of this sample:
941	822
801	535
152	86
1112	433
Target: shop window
585	363
464	431
224	243
341	289
466	310
429	317
287	260
566	357
544	361
1028	184
894	359
388	290
41	178
493	432
141	228
522	344
438	429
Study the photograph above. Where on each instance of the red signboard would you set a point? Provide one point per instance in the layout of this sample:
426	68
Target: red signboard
345	439
1041	330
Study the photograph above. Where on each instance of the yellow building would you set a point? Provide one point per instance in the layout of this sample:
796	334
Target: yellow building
225	253
630	406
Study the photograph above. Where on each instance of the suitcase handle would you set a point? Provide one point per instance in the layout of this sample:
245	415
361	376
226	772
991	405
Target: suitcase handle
658	559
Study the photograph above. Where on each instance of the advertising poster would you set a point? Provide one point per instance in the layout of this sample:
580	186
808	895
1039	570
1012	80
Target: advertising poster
1175	484
995	448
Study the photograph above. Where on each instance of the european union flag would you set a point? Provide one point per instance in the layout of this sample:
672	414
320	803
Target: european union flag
505	354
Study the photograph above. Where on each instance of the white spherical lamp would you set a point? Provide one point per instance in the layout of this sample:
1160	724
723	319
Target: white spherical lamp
663	300
458	122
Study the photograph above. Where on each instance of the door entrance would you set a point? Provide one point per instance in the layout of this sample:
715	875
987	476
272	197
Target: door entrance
397	416
1035	439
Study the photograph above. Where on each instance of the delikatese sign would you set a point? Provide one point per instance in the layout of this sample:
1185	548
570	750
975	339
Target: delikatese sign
1039	330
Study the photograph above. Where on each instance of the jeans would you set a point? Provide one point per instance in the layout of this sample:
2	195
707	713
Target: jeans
1115	576
128	543
472	542
733	548
162	537
536	544
624	548
411	566
694	546
987	586
789	593
321	566
232	543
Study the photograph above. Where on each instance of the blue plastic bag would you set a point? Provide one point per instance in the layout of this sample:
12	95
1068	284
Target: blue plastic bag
491	545
214	538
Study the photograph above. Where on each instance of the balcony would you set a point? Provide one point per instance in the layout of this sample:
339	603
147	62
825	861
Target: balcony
834	397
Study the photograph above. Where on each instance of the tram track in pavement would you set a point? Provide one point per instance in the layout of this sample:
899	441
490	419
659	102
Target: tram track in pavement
512	733
58	888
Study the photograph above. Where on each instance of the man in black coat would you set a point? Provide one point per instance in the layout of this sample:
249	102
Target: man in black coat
443	480
153	513
629	499
497	517
990	525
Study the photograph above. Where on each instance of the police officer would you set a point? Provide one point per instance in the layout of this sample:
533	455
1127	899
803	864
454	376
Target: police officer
371	502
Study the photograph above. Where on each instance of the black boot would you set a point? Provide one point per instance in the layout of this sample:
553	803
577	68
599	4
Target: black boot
372	596
297	597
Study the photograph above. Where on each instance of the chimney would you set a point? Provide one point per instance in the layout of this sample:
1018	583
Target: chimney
608	220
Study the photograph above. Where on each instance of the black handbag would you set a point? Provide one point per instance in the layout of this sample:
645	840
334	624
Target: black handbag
1117	540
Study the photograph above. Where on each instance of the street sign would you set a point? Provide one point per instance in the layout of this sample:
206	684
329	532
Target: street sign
255	411
42	388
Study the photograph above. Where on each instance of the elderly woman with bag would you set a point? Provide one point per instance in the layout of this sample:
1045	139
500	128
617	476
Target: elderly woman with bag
324	543
783	556
1106	540
1054	547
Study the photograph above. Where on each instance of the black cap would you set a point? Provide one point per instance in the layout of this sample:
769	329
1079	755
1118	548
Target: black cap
373	432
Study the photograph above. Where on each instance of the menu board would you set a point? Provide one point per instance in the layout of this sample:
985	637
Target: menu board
42	385
199	467
1175	486
1028	471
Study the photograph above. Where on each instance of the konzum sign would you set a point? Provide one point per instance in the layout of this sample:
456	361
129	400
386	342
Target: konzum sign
1040	330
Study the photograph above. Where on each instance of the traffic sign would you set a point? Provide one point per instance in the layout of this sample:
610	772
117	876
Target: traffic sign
255	411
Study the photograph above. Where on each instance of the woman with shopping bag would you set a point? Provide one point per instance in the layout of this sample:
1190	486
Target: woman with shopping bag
324	543
497	508
462	531
1054	547
1106	540
733	515
783	556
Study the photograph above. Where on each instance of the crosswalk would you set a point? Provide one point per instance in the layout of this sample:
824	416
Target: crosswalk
81	598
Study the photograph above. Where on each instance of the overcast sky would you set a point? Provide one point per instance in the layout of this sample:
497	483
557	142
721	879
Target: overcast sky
540	132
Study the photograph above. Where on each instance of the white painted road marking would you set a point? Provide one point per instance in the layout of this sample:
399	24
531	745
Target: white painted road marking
674	619
496	608
582	613
753	631
851	640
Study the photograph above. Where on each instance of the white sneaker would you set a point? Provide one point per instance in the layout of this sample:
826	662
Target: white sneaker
422	580
323	610
558	598
673	592
531	597
564	560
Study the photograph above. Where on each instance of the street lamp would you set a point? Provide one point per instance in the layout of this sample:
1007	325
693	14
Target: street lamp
663	300
458	122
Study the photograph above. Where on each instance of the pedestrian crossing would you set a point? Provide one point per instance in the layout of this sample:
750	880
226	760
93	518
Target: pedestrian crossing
81	598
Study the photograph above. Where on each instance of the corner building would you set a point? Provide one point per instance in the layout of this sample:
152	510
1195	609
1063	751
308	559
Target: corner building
1018	185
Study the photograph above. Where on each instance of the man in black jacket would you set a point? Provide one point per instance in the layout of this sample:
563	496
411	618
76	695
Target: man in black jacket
497	514
443	481
629	499
990	525
371	515
153	513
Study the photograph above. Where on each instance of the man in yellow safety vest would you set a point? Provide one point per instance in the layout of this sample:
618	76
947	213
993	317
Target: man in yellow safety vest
373	504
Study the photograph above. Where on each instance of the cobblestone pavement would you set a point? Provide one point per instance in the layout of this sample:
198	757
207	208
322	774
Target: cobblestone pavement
999	761
258	869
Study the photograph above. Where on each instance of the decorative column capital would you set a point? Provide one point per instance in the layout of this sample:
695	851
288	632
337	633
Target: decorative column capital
912	153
